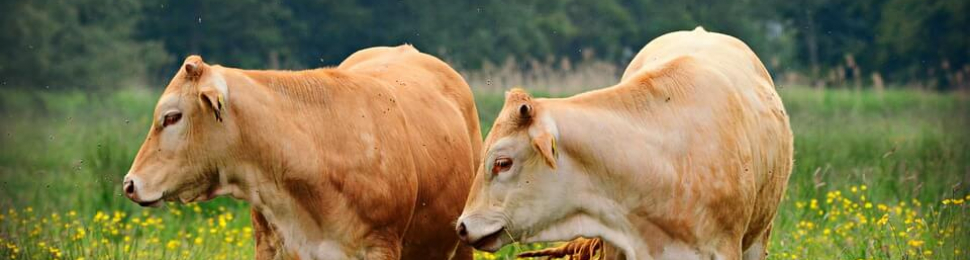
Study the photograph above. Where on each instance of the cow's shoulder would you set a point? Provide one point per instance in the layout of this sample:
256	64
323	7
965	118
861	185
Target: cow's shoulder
381	54
698	43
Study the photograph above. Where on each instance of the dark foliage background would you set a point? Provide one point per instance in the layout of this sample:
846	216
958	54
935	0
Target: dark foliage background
110	43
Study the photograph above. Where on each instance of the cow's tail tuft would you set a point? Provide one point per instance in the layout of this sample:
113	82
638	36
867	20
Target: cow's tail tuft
579	249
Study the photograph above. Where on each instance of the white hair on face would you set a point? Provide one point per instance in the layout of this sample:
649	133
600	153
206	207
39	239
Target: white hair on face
220	84
548	125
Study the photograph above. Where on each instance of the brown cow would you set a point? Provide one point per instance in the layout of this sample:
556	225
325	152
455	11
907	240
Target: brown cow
369	160
686	158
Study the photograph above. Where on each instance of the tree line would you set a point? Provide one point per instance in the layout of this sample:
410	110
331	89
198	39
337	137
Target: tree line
106	43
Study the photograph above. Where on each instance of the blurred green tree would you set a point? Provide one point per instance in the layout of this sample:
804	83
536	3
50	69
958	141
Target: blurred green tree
906	40
82	43
924	39
239	33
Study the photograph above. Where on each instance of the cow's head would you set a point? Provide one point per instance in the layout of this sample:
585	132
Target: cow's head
189	139
519	189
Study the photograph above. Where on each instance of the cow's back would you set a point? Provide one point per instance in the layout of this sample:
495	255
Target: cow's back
721	96
445	139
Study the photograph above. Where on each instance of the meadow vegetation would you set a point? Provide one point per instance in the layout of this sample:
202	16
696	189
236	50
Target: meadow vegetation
878	175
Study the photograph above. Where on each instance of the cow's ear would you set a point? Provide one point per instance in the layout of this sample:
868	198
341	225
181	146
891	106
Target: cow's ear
545	144
214	100
194	67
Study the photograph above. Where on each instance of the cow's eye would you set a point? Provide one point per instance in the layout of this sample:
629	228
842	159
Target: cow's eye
501	165
171	118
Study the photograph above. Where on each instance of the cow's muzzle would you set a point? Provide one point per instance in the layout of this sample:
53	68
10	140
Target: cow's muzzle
481	236
129	187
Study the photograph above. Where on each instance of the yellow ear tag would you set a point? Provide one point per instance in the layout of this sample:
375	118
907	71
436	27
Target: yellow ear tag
221	104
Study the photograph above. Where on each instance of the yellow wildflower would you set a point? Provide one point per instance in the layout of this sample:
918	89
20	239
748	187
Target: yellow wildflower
882	207
172	244
916	243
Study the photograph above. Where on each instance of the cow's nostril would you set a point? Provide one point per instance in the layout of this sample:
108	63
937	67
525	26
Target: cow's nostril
462	231
129	187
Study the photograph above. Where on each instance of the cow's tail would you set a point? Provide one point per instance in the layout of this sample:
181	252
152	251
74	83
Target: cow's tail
579	249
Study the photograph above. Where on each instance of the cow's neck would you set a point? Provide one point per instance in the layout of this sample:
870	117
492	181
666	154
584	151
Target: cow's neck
599	144
643	95
307	86
271	149
275	163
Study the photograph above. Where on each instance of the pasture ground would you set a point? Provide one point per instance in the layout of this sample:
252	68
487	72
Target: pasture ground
878	175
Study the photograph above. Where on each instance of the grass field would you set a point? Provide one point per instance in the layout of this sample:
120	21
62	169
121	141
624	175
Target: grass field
877	176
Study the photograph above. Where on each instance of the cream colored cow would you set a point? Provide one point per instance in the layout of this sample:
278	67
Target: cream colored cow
369	160
686	158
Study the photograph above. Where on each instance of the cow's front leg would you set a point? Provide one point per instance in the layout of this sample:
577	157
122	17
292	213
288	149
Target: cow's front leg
269	244
759	249
729	250
383	247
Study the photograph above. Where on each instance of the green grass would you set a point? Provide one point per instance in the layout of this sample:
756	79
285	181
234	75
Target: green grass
65	153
